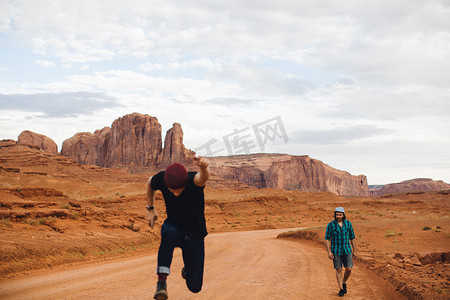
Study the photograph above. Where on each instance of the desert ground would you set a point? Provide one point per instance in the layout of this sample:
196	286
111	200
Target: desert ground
58	216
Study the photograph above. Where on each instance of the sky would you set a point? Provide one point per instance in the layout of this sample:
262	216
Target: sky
363	86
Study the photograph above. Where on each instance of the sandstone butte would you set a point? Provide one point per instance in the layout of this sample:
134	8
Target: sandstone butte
412	185
134	142
31	138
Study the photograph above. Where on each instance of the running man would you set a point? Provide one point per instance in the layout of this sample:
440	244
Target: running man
185	225
338	238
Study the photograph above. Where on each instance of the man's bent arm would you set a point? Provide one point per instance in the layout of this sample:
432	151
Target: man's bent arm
202	176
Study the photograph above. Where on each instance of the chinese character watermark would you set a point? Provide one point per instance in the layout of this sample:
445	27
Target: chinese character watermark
274	128
243	140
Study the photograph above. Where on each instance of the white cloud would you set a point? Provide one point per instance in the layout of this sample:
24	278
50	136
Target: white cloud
45	63
150	66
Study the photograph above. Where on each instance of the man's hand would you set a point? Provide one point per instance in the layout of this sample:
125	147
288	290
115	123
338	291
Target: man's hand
201	177
354	253
330	255
152	216
201	162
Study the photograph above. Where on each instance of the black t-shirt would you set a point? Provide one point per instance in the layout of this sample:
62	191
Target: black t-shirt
187	211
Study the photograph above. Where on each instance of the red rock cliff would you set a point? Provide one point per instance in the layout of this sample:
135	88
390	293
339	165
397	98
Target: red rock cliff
43	142
282	171
307	174
174	150
133	141
87	148
412	185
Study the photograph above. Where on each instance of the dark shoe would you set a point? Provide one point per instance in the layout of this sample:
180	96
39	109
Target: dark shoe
161	291
344	287
341	293
183	273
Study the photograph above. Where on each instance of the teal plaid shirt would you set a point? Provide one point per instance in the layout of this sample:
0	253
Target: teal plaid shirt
340	237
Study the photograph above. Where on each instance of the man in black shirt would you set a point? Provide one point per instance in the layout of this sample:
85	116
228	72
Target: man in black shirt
185	226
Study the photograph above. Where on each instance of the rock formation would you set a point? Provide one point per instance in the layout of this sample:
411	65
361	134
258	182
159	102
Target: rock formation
412	185
133	141
43	142
86	147
282	171
174	150
307	174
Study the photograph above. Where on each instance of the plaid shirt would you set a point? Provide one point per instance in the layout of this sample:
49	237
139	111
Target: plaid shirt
340	237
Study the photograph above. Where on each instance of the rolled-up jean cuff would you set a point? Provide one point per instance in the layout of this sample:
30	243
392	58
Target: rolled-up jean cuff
161	269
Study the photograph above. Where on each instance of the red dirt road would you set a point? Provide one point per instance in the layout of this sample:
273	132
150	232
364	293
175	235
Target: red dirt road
239	265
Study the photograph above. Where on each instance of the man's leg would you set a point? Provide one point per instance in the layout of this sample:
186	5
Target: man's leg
348	264
194	260
169	237
347	273
339	277
337	261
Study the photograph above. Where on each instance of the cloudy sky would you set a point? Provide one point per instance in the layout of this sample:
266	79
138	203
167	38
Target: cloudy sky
362	86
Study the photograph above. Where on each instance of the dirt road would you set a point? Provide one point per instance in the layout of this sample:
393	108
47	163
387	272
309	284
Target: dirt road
240	265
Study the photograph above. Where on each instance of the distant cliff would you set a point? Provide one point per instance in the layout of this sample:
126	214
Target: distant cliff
412	185
132	141
282	171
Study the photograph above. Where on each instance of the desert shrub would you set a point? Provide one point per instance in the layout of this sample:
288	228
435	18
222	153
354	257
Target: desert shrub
426	228
65	206
390	233
33	222
6	222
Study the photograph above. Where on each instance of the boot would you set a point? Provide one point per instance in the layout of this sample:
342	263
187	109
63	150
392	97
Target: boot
161	291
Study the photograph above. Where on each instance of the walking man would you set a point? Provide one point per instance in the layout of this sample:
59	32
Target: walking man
185	225
339	239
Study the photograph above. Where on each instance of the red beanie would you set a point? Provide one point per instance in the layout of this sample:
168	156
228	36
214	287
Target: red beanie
176	176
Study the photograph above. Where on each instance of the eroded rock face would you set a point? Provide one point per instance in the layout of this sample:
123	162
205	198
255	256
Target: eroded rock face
247	174
7	143
43	142
281	171
87	148
174	150
307	174
412	185
133	141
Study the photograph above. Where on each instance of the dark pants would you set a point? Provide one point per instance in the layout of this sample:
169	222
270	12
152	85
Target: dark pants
193	250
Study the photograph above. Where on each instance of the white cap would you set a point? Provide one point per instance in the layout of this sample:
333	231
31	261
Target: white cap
340	209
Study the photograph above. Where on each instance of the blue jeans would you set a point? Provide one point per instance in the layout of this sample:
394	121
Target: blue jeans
193	250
